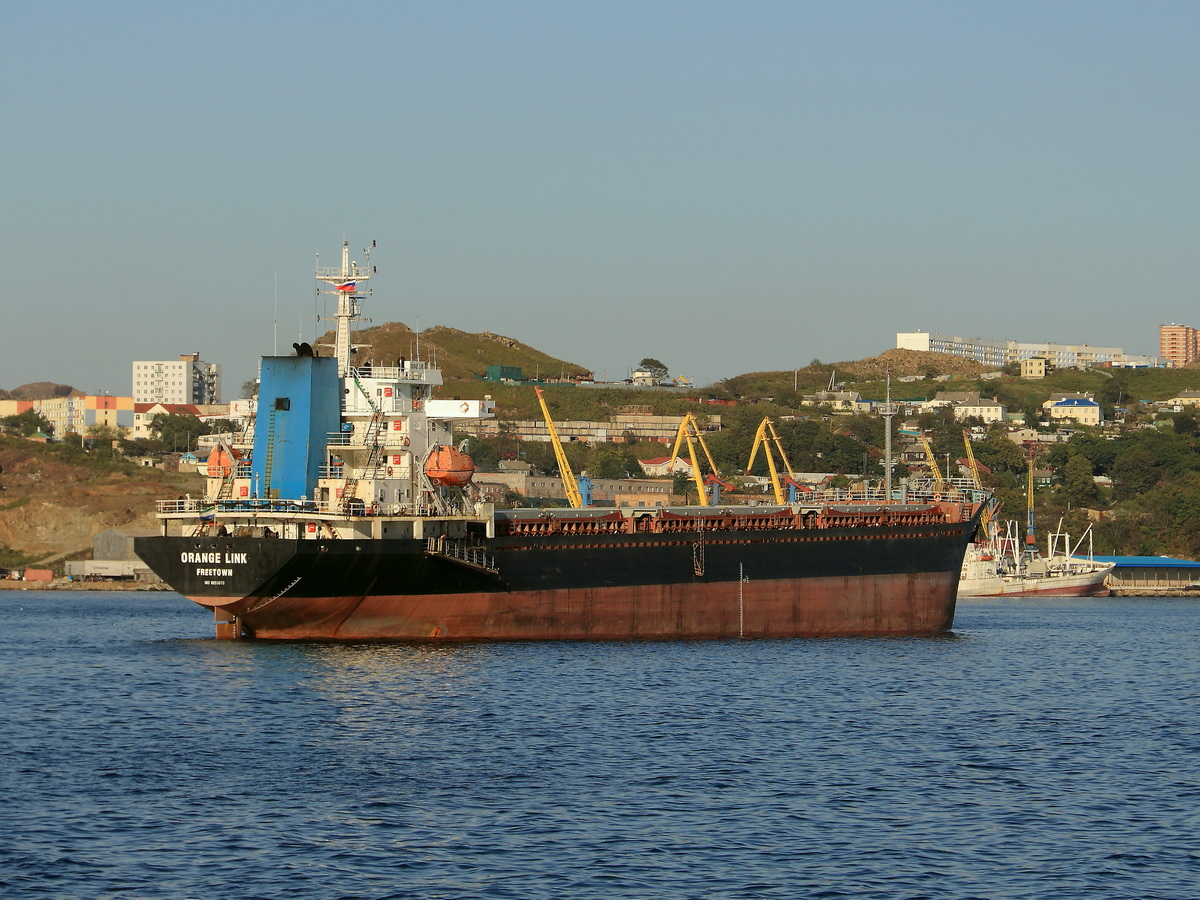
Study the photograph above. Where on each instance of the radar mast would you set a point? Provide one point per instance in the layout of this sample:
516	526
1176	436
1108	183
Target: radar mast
346	283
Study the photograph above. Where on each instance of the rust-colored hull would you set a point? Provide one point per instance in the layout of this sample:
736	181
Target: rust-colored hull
829	607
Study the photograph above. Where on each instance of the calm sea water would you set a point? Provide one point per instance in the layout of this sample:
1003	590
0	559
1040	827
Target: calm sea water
1046	749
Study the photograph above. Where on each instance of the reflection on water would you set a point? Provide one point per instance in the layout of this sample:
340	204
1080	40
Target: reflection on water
1046	749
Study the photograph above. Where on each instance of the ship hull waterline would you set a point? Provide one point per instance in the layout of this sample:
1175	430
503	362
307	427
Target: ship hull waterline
1086	585
747	585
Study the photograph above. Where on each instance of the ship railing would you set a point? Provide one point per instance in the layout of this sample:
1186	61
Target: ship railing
330	273
379	470
242	470
923	494
201	507
354	439
204	506
474	557
412	370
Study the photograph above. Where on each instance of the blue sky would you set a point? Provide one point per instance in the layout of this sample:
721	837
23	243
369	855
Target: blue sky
727	187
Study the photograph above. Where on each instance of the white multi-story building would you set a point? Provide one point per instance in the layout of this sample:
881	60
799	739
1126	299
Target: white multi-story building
1000	353
186	380
967	405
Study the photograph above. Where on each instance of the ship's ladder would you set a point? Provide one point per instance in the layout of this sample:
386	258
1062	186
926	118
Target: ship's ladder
226	491
372	440
267	463
462	553
374	430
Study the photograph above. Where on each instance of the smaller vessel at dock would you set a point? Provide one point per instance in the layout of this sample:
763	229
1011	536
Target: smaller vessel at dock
1002	567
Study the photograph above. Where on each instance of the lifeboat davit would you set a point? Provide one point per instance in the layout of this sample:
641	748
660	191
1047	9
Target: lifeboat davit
449	467
221	462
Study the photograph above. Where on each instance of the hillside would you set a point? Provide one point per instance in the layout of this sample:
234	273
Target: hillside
461	355
911	362
817	375
39	390
56	498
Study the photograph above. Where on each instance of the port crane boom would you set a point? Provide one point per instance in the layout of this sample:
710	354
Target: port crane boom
564	467
689	431
766	436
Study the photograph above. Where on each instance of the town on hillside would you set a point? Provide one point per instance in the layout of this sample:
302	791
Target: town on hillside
1095	431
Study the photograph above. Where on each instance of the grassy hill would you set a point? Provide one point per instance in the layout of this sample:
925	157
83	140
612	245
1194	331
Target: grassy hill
461	355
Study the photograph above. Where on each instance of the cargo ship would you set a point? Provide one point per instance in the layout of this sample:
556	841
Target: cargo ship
346	512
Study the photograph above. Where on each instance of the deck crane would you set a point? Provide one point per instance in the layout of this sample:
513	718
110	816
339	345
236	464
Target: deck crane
564	467
766	436
689	431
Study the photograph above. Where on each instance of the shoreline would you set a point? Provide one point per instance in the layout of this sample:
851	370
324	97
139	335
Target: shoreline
61	584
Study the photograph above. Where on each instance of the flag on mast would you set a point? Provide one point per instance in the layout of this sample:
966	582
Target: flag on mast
347	285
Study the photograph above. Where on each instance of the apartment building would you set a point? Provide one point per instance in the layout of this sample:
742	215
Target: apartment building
186	380
999	353
76	413
1178	344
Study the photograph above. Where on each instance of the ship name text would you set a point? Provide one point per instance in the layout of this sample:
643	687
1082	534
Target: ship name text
213	557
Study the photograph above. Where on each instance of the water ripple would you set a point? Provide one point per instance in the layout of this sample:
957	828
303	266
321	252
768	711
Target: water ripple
1047	749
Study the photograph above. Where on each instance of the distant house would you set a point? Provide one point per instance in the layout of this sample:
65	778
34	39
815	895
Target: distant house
1034	367
966	405
644	378
943	399
143	413
1080	409
841	401
514	465
987	410
1184	398
665	466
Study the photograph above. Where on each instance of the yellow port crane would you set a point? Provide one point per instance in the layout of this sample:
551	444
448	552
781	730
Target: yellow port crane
766	436
939	481
564	467
985	520
689	431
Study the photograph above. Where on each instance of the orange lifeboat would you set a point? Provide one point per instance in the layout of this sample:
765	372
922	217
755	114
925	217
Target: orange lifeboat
221	462
449	467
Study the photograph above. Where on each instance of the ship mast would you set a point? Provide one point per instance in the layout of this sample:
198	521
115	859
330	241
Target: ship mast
346	282
888	411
